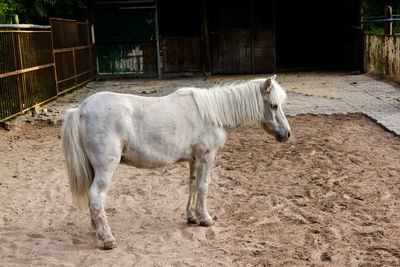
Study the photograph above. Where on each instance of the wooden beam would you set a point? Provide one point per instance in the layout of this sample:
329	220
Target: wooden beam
2	75
76	76
70	49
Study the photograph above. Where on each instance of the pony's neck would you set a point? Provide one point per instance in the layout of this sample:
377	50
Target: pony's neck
231	105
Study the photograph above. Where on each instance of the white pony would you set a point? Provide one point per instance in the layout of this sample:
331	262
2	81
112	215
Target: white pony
147	132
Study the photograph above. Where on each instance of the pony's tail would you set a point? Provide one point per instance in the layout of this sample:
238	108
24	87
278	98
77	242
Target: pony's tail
79	169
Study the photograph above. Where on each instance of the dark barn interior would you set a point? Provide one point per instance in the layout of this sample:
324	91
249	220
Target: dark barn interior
227	37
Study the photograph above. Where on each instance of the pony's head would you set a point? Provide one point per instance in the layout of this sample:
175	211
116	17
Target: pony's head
274	120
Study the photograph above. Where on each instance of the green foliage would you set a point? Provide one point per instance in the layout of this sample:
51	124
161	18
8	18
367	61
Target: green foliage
374	9
7	10
39	11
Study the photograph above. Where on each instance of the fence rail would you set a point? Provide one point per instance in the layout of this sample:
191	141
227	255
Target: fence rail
36	66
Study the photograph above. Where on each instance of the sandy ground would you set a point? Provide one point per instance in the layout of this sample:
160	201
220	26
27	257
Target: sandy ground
331	195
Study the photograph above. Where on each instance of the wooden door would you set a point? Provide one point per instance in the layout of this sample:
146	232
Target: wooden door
231	51
181	54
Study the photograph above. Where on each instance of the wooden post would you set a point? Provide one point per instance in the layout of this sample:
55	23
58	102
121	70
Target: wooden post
252	34
74	64
388	25
206	38
157	42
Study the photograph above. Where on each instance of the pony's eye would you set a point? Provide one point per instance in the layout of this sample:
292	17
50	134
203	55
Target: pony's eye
274	107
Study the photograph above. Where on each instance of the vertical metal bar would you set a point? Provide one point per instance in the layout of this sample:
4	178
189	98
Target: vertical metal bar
54	56
252	34
157	42
388	25
22	76
18	75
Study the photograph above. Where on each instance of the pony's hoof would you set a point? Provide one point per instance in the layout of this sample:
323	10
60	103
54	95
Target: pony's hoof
193	220
109	244
206	222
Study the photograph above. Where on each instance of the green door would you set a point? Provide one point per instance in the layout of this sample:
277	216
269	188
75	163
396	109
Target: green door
120	31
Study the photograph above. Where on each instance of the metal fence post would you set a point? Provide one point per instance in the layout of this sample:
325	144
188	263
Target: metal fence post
388	25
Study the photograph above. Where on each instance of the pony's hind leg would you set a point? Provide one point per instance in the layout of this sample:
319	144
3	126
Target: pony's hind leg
191	206
97	196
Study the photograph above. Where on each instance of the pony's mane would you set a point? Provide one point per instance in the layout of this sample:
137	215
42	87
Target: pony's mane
233	104
277	95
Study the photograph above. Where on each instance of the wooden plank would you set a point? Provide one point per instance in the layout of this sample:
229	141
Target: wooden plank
242	52
59	19
173	51
69	49
264	59
149	57
192	54
26	70
75	76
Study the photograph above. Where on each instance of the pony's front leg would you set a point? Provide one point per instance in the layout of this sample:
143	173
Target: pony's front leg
191	206
203	166
97	195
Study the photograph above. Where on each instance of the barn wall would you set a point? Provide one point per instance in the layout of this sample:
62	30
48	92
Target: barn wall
382	55
228	36
242	36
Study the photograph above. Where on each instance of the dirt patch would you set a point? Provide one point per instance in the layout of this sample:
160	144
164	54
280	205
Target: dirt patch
329	195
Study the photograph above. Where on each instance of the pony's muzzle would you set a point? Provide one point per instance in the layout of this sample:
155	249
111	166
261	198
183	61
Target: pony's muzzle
283	137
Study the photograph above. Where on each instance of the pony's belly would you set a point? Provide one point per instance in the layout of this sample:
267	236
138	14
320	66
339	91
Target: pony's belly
149	161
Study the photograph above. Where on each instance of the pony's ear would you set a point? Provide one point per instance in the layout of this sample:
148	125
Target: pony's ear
268	83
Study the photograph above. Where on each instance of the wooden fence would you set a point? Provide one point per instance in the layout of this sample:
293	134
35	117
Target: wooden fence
37	66
382	55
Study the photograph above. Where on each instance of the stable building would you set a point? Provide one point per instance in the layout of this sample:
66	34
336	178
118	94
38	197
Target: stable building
176	37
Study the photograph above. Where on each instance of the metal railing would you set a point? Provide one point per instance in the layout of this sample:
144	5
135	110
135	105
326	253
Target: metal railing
37	66
26	71
74	53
